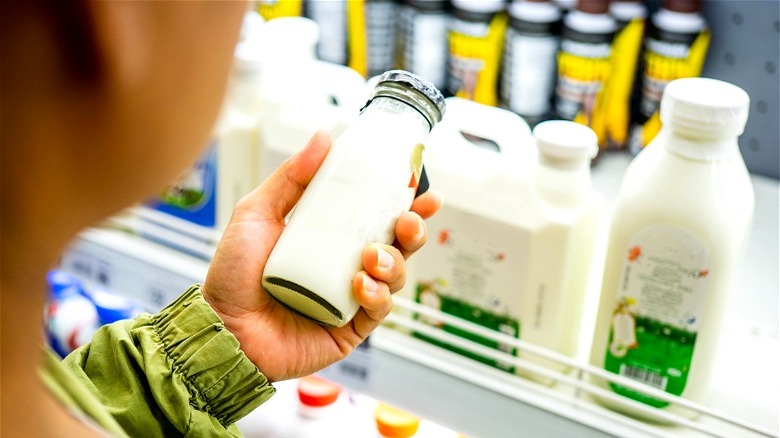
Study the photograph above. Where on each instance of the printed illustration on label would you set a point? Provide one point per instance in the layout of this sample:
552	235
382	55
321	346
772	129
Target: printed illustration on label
473	268
193	196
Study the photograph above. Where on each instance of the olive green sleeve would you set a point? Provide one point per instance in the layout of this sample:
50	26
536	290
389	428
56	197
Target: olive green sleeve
176	373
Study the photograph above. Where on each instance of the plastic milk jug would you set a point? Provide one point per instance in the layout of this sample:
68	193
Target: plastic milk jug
678	230
368	179
511	248
479	158
301	94
200	202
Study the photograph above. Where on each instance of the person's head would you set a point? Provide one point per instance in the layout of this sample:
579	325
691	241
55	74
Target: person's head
103	103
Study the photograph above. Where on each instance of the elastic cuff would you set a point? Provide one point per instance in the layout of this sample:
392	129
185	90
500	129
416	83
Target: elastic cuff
223	381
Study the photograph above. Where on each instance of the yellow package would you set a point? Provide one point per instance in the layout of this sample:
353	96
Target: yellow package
666	57
279	8
616	108
475	58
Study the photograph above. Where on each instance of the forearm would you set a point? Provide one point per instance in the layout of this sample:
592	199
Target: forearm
178	372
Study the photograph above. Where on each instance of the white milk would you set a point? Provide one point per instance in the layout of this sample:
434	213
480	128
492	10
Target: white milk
368	179
300	94
678	231
511	247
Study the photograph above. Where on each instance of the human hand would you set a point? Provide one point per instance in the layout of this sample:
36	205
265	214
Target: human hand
282	343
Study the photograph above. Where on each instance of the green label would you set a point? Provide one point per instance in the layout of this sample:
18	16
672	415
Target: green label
474	268
654	326
429	294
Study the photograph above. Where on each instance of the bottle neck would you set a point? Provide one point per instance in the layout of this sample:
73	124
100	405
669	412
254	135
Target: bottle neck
382	105
565	183
244	93
696	145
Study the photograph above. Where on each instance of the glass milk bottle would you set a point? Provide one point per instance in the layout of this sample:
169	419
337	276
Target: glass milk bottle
368	179
678	230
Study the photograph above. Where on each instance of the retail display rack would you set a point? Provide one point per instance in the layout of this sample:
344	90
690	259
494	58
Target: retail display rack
482	401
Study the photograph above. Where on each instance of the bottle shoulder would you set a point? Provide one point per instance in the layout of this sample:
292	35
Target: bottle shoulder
661	187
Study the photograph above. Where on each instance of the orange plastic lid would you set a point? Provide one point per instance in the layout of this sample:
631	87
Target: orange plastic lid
316	391
392	422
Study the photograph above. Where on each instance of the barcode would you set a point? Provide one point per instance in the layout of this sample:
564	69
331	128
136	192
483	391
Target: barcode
648	377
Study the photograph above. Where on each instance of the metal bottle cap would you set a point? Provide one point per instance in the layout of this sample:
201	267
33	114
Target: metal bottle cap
413	90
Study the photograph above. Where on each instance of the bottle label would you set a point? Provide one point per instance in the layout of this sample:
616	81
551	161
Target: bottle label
193	196
422	44
666	57
475	58
583	69
664	284
473	268
529	72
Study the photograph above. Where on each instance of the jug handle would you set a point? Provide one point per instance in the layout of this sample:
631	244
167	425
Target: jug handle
345	85
505	128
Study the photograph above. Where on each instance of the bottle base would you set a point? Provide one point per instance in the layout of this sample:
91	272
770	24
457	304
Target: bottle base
304	301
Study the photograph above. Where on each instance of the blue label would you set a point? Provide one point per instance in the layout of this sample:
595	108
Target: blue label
193	196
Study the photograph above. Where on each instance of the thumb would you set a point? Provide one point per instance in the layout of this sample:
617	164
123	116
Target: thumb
279	193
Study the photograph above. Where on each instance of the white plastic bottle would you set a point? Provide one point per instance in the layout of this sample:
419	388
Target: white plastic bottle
530	49
300	94
199	204
318	412
562	259
678	230
511	248
71	317
368	179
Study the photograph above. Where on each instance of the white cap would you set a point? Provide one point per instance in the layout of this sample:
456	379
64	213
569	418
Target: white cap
565	144
535	12
628	10
484	6
705	106
248	54
287	37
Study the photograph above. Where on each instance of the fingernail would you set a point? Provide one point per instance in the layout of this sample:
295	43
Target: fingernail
384	259
420	229
369	284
